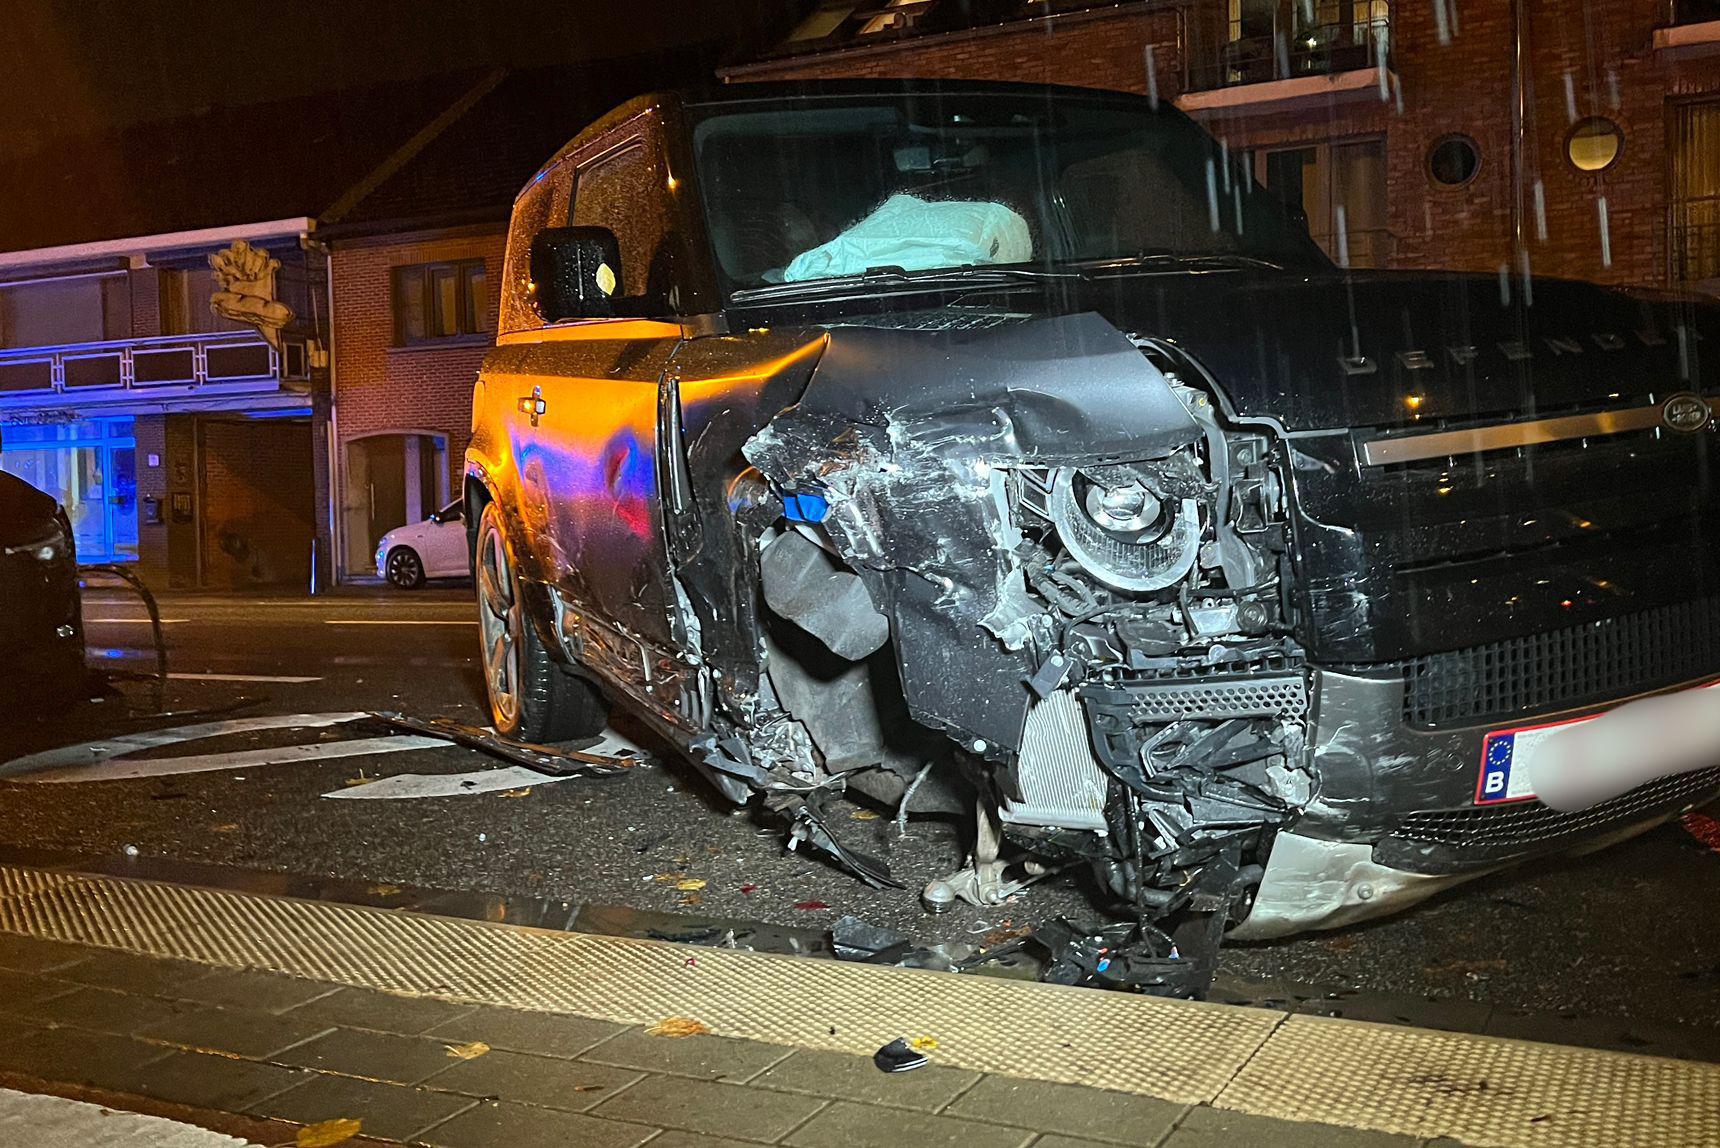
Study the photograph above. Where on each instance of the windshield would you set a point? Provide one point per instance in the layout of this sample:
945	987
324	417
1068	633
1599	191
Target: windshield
812	188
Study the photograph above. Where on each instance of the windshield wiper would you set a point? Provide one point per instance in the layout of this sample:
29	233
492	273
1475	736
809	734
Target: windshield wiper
1180	259
891	277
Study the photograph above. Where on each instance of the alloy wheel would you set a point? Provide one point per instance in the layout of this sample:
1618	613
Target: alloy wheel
501	623
404	569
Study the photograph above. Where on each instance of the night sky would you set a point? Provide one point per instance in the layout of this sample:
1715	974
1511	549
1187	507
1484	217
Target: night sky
80	68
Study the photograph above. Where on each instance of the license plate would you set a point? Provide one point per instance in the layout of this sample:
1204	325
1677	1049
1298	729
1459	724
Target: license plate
1505	753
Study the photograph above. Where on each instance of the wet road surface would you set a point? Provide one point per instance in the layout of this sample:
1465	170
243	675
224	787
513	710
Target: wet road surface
1617	948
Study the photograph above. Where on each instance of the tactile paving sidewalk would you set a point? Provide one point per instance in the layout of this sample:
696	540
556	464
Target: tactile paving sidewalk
1478	1090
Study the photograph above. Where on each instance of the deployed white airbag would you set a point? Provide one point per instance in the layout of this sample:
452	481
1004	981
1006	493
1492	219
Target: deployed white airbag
918	235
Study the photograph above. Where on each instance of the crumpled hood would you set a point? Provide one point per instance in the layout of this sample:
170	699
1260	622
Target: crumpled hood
1379	349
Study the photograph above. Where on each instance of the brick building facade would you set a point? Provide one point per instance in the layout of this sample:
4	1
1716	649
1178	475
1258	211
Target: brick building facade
1343	103
401	406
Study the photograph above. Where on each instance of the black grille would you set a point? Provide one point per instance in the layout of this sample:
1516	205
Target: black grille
1527	825
1560	669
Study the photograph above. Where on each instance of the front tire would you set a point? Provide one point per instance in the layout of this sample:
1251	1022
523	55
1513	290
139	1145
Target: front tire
405	568
532	698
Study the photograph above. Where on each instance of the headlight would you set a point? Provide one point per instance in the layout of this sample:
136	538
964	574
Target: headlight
50	547
1121	530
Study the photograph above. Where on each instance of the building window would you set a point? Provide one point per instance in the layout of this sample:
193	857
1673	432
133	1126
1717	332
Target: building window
1341	189
77	309
1594	144
185	309
1453	160
1695	192
440	301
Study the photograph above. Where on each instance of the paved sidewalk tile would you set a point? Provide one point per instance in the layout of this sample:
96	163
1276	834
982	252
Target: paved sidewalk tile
675	1138
105	1010
384	1012
30	955
389	1111
1217	1128
548	1034
374	1055
258	1035
866	1126
202	1080
247	988
73	1056
575	1085
707	1057
1069	1109
709	1107
128	972
523	1126
842	1076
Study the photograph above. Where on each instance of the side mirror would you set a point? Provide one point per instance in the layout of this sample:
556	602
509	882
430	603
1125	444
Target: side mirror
576	273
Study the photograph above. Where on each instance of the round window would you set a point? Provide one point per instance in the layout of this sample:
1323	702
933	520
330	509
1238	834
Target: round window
1594	144
1453	160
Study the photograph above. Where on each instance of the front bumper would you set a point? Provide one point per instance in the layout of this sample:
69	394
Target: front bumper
1395	818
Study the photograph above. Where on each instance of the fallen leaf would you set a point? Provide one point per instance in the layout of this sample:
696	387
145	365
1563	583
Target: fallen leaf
327	1133
468	1051
352	781
669	878
526	792
677	1026
811	905
863	815
923	1043
693	899
385	890
231	827
690	884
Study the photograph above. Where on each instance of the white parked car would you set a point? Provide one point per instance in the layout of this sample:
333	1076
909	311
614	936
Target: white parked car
434	548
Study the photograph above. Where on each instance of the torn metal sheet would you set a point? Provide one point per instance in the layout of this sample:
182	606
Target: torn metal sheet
408	786
542	758
125	769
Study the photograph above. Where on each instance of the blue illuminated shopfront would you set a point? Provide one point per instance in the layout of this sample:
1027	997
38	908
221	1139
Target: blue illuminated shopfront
91	467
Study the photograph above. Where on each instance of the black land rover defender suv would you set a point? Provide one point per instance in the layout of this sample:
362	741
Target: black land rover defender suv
1008	448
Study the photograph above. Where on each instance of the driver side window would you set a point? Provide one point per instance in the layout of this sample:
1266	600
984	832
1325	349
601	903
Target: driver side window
625	191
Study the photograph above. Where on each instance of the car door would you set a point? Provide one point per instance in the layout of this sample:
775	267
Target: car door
445	553
588	445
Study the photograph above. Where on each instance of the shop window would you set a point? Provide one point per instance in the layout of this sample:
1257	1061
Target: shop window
434	301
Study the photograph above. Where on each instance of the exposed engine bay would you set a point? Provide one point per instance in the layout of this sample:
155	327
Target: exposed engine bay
1100	631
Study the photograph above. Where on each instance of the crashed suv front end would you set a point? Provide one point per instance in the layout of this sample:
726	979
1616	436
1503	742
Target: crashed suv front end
1121	520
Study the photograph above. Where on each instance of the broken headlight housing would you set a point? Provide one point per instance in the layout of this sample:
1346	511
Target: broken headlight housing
1122	526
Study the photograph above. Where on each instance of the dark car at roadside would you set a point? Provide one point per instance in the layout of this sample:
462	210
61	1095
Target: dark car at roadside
41	624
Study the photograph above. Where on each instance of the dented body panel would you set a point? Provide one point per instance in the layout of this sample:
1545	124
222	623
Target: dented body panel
1115	555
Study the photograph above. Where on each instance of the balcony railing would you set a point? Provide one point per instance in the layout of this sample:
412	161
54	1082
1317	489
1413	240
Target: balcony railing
131	366
1315	50
1695	242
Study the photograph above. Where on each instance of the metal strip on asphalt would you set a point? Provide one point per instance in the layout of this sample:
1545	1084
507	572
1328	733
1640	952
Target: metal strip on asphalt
1483	1091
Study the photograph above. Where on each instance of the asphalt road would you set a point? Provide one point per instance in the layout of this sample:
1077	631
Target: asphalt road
1623	939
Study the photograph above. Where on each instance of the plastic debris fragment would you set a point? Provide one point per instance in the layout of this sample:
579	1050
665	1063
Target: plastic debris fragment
328	1133
899	1056
677	1026
471	1051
